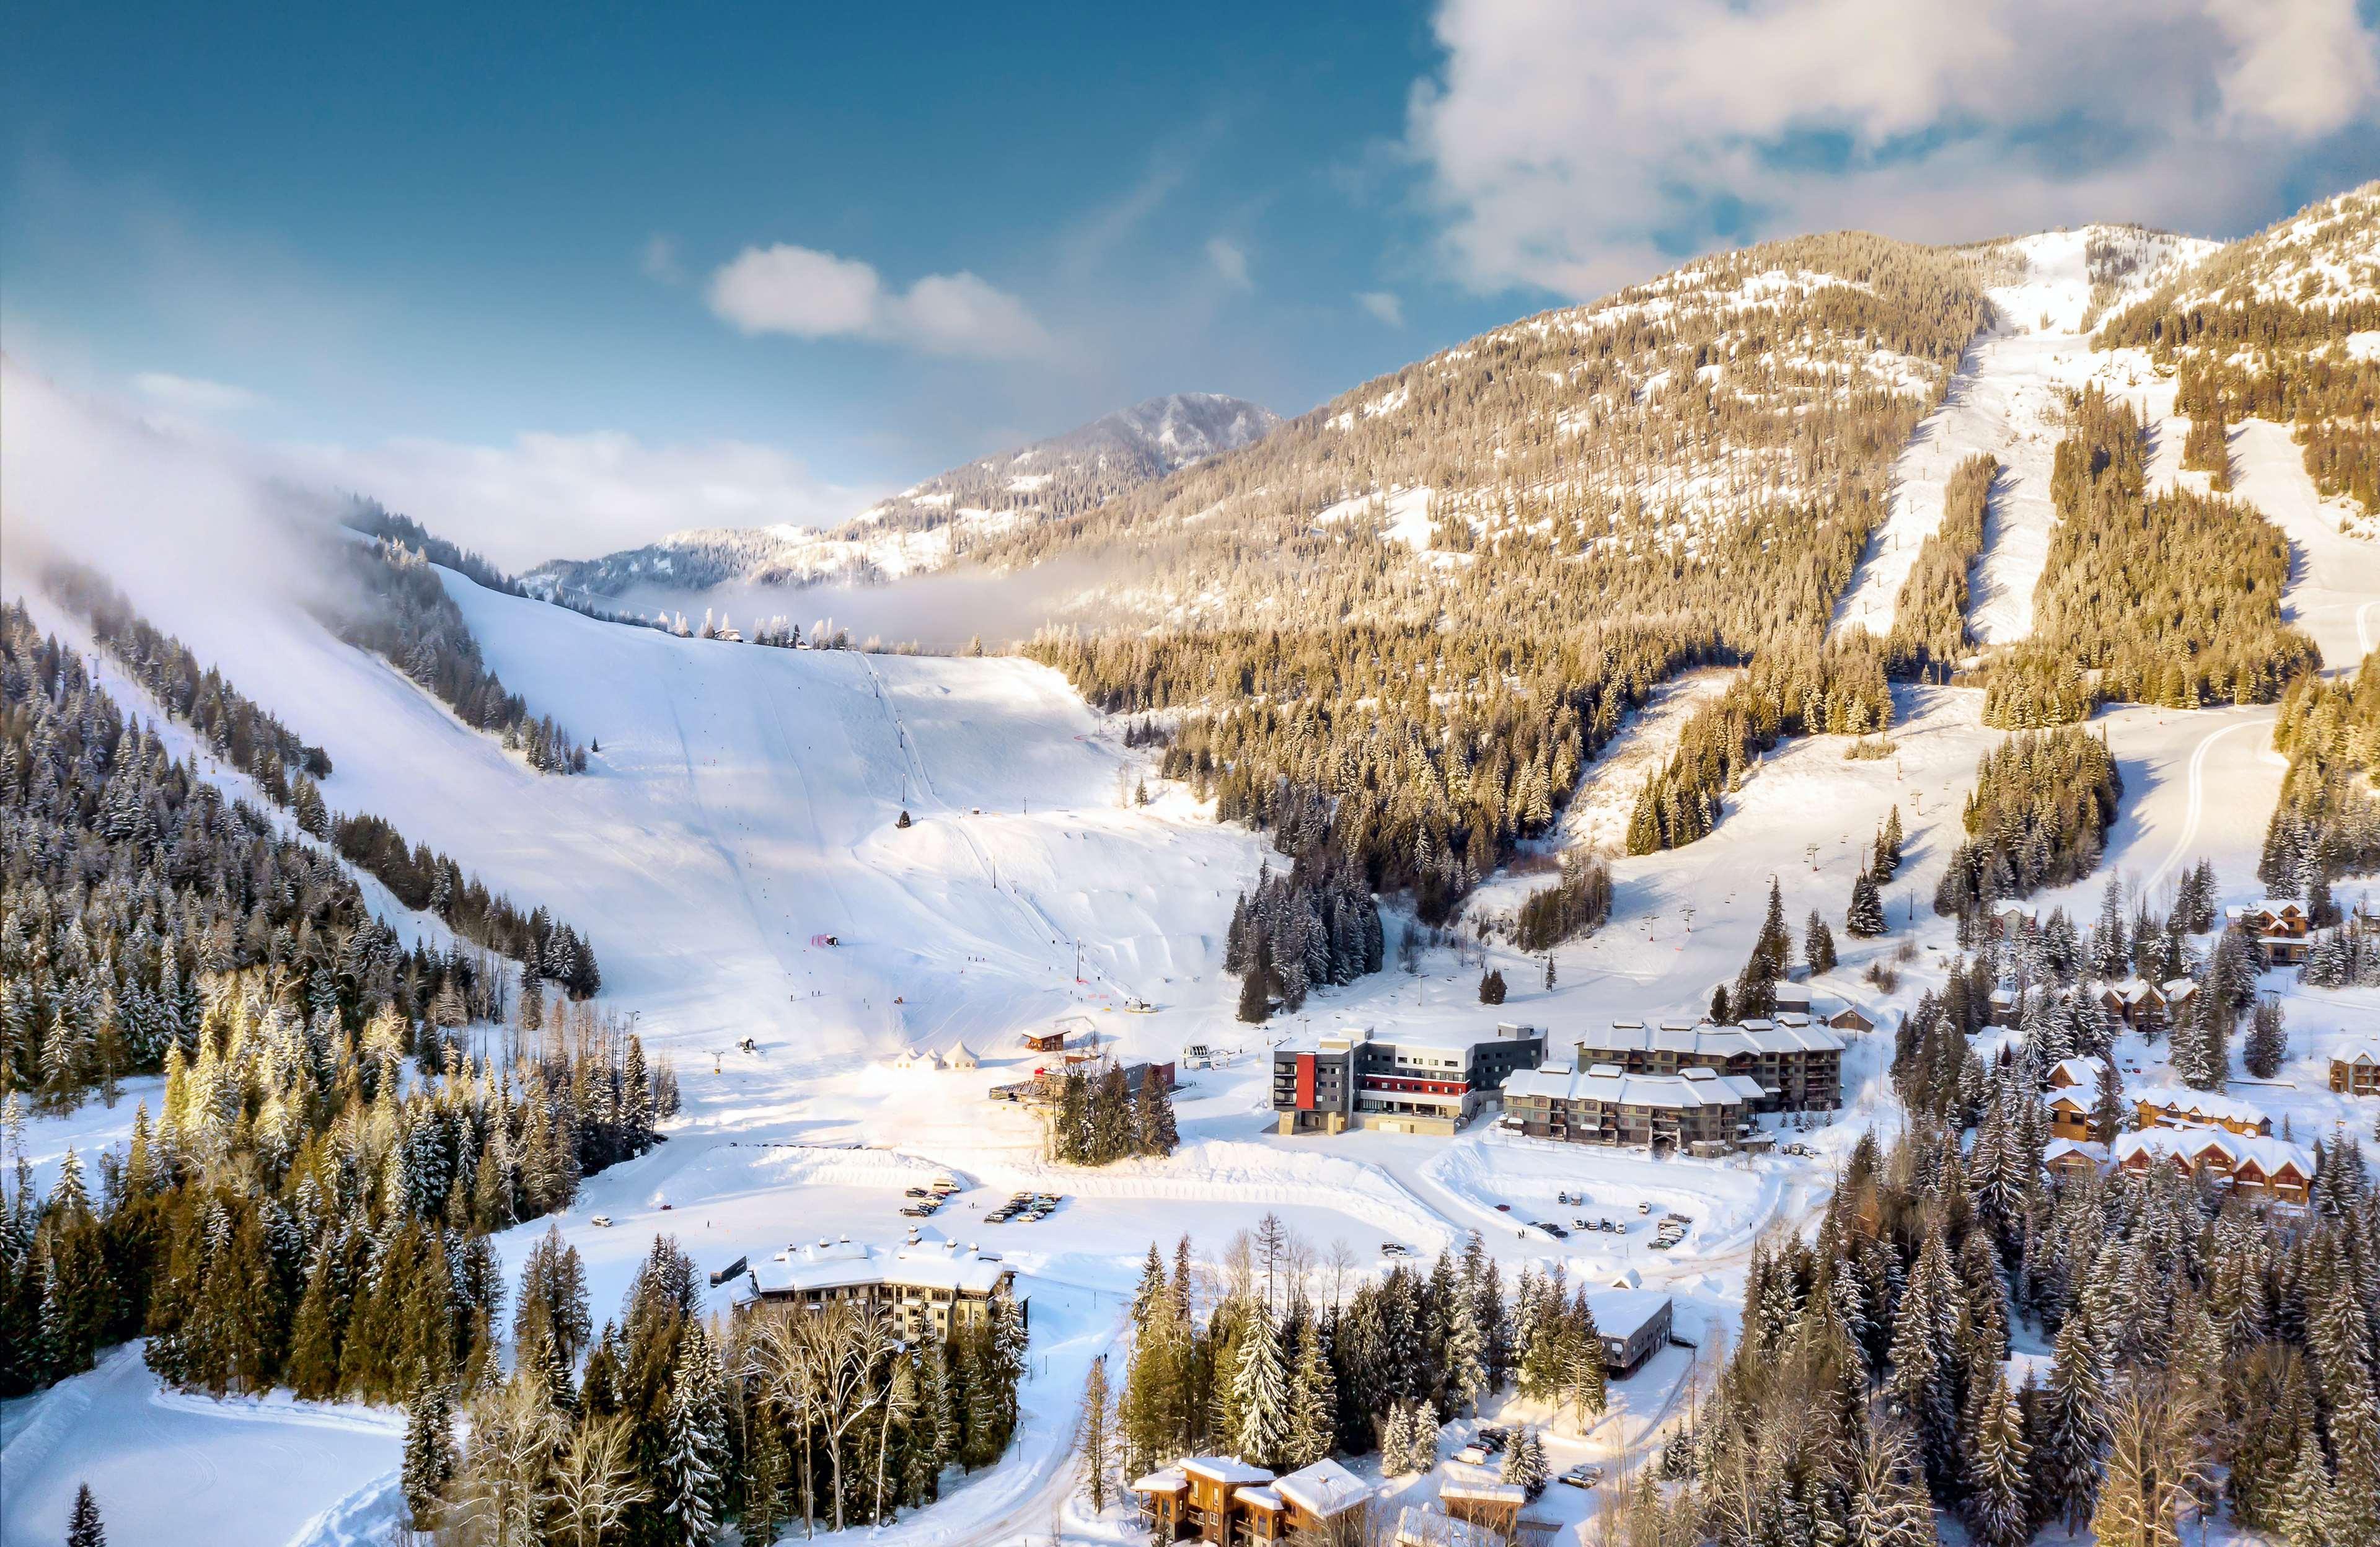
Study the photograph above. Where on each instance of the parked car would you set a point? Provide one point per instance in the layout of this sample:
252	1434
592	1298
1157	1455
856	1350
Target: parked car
916	1192
1395	1249
1473	1454
1494	1436
1503	1208
1586	1474
1556	1231
917	1211
602	1219
1644	1208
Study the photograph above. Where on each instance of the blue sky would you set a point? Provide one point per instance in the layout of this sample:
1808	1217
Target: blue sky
562	277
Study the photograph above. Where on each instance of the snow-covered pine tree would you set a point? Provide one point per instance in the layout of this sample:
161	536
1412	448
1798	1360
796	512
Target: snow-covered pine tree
1864	918
1997	1505
1525	1463
2269	1040
84	1527
691	1484
1464	1370
1313	1404
1260	1390
429	1463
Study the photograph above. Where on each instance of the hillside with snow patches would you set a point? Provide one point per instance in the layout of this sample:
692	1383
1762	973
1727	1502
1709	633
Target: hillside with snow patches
735	856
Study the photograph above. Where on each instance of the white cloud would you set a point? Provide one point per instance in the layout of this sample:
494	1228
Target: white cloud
1383	305
554	496
1575	147
658	259
1229	259
799	290
194	394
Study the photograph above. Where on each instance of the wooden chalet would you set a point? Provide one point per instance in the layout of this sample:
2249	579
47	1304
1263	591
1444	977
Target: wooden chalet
2070	1113
1494	1506
2280	926
2071	1160
2250	1164
2076	1072
1224	1499
2355	1068
2145	1007
2169	1106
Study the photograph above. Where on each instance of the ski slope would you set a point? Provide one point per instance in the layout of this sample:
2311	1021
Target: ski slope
2007	401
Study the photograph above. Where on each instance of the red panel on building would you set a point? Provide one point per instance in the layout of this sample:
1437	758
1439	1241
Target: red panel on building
1305	1082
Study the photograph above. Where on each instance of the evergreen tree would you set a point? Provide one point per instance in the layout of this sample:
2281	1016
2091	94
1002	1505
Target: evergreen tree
1491	987
2066	1466
1525	1463
1997	1508
2269	1040
429	1463
1313	1404
1260	1390
1864	918
1818	945
1092	1438
1154	1115
691	1485
83	1525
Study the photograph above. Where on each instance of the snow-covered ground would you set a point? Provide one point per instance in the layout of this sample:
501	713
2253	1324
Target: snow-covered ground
745	801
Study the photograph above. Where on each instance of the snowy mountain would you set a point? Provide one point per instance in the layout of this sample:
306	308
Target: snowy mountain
1470	611
926	527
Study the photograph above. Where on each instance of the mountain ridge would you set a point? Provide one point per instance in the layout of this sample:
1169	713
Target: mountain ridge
929	524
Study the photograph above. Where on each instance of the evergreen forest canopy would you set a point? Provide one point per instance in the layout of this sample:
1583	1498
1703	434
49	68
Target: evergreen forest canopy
1703	455
2172	599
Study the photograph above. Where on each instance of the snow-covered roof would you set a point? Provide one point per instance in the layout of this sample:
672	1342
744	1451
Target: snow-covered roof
1485	1492
848	1264
1417	1527
2206	1105
2058	1148
2276	907
1228	1469
1705	1041
2085	1070
1323	1489
1437	1039
1167	1479
1622	1314
2363	1050
1604	1082
2267	1154
1261	1498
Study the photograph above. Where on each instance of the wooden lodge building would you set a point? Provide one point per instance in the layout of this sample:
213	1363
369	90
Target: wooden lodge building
2253	1165
939	1288
2355	1068
1223	1499
2281	927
